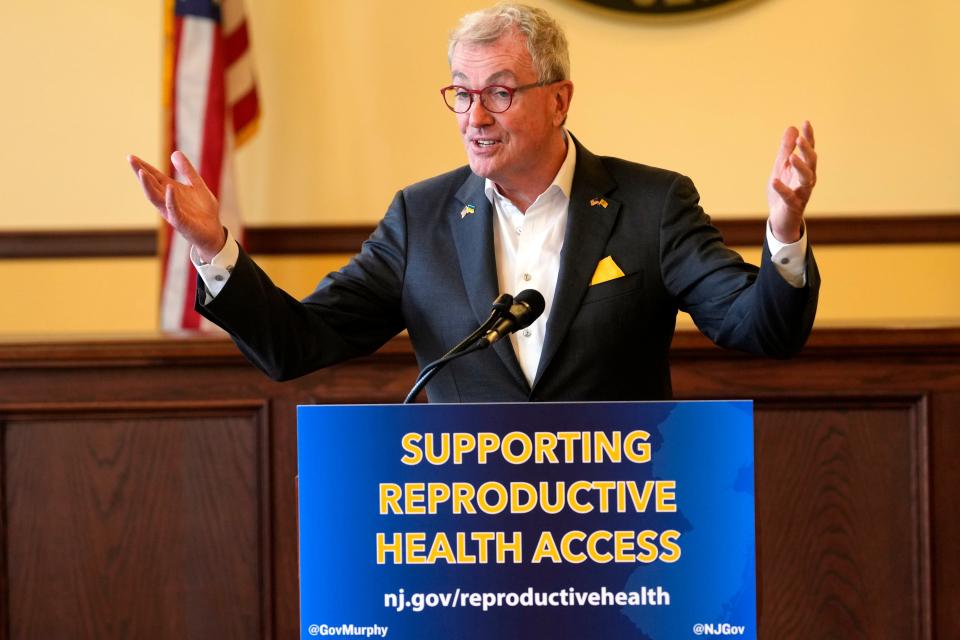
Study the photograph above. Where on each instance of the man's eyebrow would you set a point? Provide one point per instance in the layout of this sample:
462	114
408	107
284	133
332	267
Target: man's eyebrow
499	76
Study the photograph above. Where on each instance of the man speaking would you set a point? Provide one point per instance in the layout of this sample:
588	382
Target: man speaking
615	248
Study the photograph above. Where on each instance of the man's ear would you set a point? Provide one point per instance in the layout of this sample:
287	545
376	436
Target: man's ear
562	95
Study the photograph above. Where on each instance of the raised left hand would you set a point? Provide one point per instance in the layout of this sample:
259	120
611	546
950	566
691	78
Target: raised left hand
188	206
791	182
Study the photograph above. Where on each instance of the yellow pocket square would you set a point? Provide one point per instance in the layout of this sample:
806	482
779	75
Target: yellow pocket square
607	270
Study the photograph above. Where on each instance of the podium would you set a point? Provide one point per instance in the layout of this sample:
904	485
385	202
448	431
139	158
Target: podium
574	520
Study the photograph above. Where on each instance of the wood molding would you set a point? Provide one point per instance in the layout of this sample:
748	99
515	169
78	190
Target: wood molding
854	230
102	243
214	453
174	349
338	239
856	477
305	240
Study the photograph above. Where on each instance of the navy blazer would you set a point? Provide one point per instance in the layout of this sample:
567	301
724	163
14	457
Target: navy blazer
430	270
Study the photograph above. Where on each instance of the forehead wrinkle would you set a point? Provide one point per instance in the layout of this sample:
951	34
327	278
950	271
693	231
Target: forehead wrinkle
494	78
508	57
501	75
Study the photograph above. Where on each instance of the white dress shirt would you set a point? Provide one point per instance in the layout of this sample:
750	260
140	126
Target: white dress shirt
527	248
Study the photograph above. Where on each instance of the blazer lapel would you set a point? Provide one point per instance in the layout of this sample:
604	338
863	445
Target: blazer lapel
472	225
589	225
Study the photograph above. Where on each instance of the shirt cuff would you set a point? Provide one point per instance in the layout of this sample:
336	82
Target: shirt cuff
216	273
789	259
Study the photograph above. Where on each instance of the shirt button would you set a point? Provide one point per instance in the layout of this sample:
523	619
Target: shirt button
527	277
218	278
519	230
527	333
785	261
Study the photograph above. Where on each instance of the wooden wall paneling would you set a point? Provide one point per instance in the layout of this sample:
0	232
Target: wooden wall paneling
842	519
879	366
841	434
945	512
384	378
337	239
283	516
4	588
140	372
138	520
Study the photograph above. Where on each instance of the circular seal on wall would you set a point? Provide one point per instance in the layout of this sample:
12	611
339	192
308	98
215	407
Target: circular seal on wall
661	6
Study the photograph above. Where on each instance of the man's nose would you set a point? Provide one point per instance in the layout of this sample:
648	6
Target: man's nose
478	115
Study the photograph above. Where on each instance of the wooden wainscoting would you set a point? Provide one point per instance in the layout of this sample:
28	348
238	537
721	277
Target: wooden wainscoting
148	487
743	231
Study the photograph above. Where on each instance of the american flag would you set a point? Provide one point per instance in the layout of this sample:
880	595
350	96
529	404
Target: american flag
211	107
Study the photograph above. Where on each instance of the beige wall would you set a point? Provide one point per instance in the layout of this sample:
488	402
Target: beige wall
351	113
119	296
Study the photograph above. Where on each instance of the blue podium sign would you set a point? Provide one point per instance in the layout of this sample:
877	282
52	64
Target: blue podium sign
578	520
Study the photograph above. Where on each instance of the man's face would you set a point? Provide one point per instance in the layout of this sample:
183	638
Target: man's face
504	146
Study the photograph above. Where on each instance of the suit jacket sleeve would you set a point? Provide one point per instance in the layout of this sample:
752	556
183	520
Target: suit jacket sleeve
351	313
735	304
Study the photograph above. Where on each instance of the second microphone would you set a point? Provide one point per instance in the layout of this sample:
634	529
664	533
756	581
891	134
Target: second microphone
527	306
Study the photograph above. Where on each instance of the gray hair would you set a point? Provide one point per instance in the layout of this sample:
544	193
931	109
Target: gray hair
545	39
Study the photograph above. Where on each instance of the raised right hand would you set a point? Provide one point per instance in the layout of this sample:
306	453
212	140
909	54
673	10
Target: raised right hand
190	208
791	182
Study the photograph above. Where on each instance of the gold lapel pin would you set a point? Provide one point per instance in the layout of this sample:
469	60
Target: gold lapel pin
467	210
599	202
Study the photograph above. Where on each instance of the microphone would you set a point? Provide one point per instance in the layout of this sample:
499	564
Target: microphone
508	314
527	306
499	307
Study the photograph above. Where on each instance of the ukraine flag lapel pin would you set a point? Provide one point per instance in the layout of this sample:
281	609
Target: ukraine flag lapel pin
467	210
599	202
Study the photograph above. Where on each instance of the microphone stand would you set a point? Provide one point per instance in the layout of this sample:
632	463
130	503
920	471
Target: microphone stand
434	367
509	314
468	345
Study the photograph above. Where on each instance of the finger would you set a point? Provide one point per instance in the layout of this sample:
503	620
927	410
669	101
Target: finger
170	204
135	164
787	144
151	188
185	169
807	152
807	177
789	197
808	133
138	164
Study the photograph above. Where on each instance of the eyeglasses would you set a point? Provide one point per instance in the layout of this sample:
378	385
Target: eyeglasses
495	98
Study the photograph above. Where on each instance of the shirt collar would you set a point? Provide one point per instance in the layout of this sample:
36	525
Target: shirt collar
563	180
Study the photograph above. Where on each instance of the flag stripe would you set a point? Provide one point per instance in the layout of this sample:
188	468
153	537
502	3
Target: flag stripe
231	15
170	308
236	43
198	8
211	165
245	111
239	78
171	56
214	124
174	294
194	61
211	96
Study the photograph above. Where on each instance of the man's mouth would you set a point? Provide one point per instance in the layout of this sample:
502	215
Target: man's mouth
484	142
